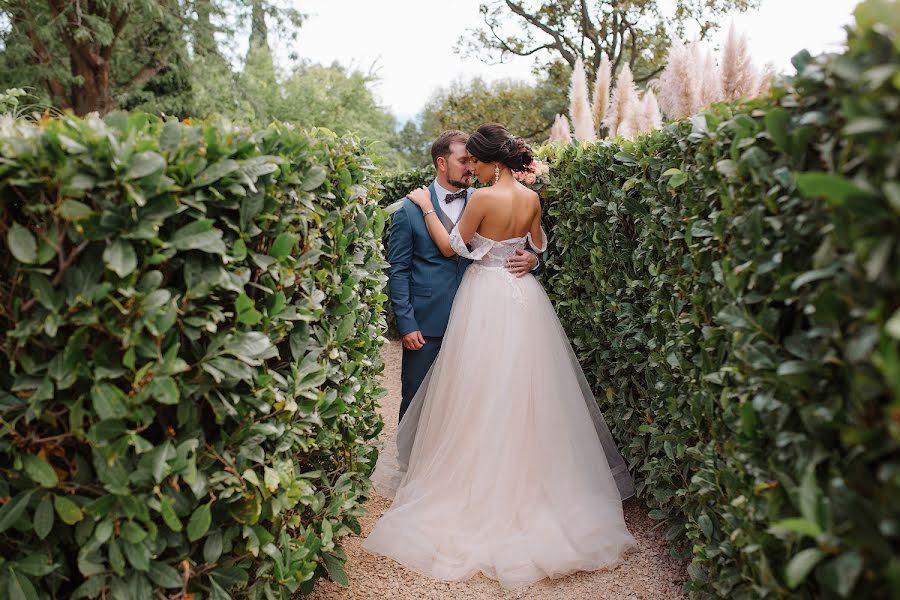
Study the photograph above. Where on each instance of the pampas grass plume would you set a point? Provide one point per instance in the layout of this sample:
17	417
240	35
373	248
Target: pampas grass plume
560	130
679	84
602	85
650	116
739	79
579	107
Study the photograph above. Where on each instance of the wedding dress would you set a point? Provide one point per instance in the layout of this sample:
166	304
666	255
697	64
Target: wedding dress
503	463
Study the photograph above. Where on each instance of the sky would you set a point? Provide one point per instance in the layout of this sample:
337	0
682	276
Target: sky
409	44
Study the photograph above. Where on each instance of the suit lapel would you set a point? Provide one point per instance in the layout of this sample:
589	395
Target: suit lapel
445	220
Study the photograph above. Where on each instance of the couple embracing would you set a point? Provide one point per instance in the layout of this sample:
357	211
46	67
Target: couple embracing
503	463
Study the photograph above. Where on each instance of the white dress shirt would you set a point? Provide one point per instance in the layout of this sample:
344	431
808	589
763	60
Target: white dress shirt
452	209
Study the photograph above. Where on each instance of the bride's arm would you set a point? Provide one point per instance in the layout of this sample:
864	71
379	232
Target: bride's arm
422	198
538	242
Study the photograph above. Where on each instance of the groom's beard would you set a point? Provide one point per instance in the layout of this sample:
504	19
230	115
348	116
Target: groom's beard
458	184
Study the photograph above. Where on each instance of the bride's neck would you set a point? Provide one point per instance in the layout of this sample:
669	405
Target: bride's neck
506	176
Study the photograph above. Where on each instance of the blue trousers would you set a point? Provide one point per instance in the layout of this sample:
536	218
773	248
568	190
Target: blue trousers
414	368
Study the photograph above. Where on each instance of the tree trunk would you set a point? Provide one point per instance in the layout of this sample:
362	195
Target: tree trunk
93	94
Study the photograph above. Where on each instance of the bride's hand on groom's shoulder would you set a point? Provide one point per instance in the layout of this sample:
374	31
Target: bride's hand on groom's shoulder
421	197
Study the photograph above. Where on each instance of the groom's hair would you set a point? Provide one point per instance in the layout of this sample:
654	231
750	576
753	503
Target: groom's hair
441	146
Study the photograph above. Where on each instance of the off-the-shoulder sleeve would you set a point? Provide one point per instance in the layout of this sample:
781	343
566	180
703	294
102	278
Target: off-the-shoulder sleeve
480	246
538	247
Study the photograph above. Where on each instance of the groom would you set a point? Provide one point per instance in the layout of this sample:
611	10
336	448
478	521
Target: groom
423	282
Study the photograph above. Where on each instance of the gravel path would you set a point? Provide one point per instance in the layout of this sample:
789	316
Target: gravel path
647	574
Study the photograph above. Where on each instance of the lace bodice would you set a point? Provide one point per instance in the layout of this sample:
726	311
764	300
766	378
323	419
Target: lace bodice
491	253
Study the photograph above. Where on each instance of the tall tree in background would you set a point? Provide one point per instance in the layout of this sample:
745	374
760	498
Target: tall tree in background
89	56
413	143
636	32
72	46
524	108
259	82
169	90
215	87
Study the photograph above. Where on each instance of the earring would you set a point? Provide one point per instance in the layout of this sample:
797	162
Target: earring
496	173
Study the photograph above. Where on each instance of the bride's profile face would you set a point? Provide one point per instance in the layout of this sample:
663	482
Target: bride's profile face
483	171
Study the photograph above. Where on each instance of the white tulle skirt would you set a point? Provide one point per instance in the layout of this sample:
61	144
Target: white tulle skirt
503	464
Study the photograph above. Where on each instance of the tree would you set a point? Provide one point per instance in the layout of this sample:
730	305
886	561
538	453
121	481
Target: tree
91	56
333	97
413	144
526	109
86	34
635	32
168	91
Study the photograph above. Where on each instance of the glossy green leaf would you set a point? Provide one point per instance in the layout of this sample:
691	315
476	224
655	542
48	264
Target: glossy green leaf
19	587
800	565
168	513
313	179
13	509
246	310
282	246
777	121
199	522
199	235
164	575
40	471
43	517
335	568
120	257
22	244
73	210
69	512
144	164
836	189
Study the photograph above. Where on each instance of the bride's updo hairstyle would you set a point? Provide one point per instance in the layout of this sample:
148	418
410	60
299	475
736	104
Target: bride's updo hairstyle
493	143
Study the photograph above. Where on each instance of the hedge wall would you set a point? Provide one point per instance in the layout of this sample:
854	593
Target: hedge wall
732	286
396	184
191	320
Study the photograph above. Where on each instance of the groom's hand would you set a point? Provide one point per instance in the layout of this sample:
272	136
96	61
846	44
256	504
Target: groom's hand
413	341
522	263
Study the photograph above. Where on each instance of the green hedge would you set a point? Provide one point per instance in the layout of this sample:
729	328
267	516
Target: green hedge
732	287
394	185
190	323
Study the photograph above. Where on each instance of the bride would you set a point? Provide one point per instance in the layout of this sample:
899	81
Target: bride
504	464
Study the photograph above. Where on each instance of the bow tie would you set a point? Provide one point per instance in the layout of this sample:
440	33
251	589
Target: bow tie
460	195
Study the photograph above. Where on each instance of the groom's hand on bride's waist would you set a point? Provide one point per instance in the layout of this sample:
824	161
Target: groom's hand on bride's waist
413	340
522	263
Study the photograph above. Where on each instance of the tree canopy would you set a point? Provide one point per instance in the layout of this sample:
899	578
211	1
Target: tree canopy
636	32
176	57
526	109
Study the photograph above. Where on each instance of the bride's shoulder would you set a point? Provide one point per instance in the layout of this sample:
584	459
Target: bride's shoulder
529	195
481	195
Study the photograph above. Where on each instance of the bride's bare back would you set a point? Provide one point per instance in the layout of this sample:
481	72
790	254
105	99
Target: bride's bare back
509	211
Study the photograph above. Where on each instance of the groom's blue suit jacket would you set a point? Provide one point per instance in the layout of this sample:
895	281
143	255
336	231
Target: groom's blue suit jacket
422	281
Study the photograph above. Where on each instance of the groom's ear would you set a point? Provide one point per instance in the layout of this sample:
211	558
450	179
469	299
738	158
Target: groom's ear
440	164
